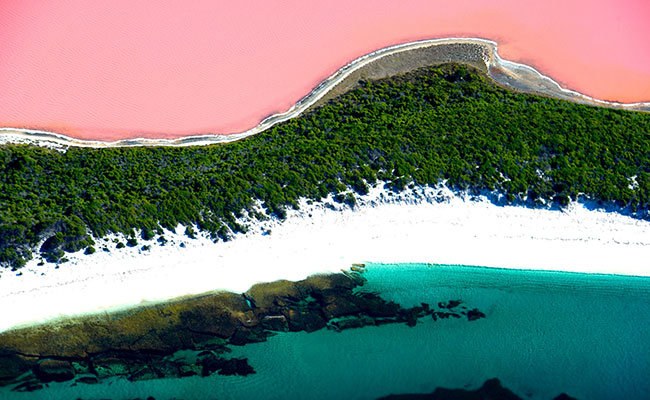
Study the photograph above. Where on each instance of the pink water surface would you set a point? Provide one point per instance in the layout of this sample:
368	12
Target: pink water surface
122	69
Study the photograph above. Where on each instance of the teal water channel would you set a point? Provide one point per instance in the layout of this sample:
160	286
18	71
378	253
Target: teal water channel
544	333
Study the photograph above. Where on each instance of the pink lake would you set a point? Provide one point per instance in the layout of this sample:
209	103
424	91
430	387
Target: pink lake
122	69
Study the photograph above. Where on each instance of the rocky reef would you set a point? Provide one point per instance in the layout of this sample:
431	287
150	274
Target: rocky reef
491	390
192	336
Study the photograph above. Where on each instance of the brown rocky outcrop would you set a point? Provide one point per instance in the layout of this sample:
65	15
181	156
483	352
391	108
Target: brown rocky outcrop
139	343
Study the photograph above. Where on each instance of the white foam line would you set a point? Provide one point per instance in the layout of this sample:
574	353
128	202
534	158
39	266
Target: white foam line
427	225
15	134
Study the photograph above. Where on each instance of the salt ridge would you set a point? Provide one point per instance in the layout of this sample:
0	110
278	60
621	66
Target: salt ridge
423	224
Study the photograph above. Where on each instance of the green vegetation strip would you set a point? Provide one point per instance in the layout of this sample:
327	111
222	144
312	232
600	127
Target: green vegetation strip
434	124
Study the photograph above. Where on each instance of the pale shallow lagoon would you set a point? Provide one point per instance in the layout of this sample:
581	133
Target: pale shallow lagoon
119	69
544	333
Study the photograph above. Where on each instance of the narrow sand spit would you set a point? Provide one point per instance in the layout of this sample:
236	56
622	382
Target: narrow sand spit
423	225
481	53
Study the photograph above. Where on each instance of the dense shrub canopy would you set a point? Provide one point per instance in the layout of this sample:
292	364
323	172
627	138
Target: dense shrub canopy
434	124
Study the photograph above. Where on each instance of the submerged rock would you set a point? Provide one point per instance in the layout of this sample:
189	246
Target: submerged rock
491	390
474	314
376	307
236	366
107	366
87	379
145	373
189	370
140	344
444	315
13	365
564	396
211	363
351	322
28	386
54	371
450	304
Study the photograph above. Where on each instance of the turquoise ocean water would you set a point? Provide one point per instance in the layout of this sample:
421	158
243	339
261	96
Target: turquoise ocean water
544	333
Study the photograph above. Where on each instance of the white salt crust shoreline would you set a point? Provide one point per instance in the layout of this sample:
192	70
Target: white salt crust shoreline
511	74
423	225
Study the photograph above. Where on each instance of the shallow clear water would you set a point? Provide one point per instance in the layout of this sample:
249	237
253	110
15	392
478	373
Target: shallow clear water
545	333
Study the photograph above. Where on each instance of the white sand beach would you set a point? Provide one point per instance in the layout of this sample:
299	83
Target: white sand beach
423	225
